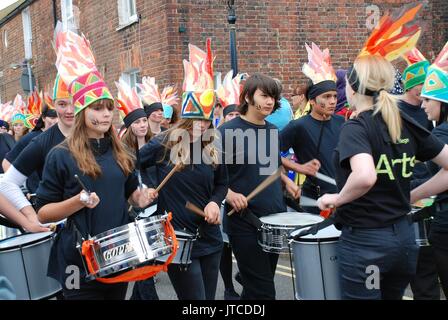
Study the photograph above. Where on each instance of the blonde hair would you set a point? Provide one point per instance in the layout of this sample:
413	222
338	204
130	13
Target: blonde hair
79	146
378	75
182	150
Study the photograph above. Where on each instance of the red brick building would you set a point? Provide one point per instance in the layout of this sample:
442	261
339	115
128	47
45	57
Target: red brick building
134	38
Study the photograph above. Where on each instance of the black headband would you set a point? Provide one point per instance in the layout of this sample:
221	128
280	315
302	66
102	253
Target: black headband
322	87
353	81
50	113
153	107
230	108
134	115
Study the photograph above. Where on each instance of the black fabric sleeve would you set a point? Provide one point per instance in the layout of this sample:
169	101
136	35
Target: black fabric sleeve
353	140
30	159
429	146
150	153
12	155
289	136
131	184
221	184
51	188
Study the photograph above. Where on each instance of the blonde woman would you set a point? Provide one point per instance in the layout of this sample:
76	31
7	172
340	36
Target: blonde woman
374	159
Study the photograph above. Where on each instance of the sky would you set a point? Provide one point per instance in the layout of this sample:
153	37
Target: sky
5	3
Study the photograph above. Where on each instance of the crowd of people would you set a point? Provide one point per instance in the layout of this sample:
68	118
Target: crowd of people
385	148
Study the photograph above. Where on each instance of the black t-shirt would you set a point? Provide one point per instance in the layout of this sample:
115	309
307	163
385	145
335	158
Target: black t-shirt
32	182
198	183
416	113
58	184
388	200
32	158
7	143
21	144
440	222
302	135
251	154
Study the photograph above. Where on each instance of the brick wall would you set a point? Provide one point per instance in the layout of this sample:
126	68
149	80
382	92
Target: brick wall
270	36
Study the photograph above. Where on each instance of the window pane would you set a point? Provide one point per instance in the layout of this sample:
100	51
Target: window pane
132	10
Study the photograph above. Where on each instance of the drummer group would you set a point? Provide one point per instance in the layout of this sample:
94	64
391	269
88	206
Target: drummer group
90	175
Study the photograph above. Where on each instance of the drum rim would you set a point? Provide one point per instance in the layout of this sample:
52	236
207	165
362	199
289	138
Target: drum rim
48	236
316	240
290	213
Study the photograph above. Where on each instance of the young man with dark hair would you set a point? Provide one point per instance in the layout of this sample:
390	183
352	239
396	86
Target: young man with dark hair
313	137
246	141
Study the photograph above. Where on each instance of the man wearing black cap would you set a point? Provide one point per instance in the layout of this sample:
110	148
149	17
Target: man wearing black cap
154	112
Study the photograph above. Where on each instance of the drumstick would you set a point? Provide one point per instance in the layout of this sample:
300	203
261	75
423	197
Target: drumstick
268	181
168	176
195	209
81	184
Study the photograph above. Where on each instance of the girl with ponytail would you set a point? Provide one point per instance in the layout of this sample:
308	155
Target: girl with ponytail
374	160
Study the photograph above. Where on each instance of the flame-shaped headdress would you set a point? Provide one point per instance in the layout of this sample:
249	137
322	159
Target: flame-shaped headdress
76	66
198	98
436	83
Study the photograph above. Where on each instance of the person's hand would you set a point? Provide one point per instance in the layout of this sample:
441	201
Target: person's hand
328	201
89	200
293	189
236	200
212	213
152	194
33	225
310	168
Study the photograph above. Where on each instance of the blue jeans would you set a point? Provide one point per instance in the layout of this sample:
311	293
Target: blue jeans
391	251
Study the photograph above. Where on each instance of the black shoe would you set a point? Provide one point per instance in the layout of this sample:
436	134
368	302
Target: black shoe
238	278
231	294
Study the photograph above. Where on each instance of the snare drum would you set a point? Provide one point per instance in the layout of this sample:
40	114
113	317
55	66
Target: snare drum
275	229
128	246
24	261
183	255
316	265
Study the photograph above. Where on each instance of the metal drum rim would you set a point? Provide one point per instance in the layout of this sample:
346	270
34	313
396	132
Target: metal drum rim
22	245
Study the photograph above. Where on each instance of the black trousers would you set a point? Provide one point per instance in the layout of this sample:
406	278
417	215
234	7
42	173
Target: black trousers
95	290
425	284
439	242
257	268
145	290
199	280
226	267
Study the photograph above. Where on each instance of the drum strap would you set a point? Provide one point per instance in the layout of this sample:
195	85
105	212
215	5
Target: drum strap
137	274
251	218
315	228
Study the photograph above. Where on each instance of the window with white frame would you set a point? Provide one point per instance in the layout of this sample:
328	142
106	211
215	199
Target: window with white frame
27	33
127	12
68	17
131	77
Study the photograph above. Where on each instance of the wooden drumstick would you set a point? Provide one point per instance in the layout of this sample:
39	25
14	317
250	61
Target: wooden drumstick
268	181
194	209
168	176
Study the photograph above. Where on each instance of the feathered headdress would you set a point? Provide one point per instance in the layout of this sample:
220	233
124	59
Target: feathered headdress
436	83
198	98
6	111
392	38
415	73
76	66
19	114
229	92
153	99
319	70
129	103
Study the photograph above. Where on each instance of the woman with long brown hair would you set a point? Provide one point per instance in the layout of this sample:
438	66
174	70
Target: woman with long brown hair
199	179
93	153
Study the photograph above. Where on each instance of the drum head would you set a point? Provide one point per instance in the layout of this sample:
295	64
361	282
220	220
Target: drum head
291	219
327	234
23	240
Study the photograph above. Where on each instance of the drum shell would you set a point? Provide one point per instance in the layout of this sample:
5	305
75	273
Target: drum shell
183	254
316	268
273	237
26	267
